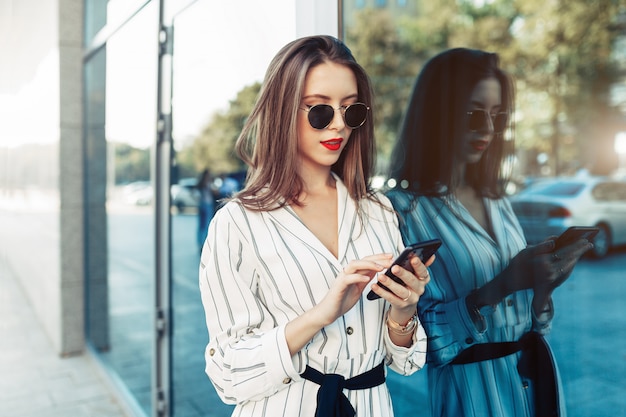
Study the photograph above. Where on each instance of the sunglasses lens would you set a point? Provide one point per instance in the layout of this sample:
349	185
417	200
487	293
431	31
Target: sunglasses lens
499	122
477	120
321	115
355	115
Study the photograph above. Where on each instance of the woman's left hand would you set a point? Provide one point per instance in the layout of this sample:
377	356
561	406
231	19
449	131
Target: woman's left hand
404	298
558	265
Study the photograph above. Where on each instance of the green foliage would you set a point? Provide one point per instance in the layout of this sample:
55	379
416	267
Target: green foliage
377	46
214	148
559	51
131	164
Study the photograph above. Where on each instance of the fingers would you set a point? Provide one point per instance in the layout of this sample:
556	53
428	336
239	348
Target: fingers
369	265
573	251
408	291
562	261
430	261
546	246
421	270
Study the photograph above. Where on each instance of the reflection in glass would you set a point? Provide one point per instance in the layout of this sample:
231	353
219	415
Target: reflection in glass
217	67
121	240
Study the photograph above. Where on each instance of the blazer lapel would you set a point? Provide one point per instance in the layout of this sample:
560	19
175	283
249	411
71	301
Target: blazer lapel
347	219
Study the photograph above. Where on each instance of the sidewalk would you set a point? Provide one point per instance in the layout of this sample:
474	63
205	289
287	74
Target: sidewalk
34	380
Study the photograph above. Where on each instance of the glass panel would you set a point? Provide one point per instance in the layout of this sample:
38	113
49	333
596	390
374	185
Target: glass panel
95	18
121	237
550	128
216	65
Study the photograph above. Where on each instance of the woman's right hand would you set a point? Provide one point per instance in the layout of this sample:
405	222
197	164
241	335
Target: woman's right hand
349	285
343	294
561	263
541	267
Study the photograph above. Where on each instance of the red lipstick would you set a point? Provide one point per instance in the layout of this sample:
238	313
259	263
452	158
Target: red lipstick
332	144
479	145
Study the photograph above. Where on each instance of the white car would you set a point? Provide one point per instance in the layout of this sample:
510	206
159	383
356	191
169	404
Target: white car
550	206
185	194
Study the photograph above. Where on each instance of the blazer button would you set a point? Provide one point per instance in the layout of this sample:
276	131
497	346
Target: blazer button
349	330
469	340
211	352
509	302
286	380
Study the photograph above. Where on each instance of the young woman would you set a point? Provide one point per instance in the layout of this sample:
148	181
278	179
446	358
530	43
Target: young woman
286	261
489	288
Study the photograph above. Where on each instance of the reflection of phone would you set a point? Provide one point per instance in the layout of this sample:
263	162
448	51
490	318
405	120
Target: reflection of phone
423	250
575	233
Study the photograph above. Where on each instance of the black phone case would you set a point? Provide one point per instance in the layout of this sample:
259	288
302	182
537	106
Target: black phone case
424	250
574	233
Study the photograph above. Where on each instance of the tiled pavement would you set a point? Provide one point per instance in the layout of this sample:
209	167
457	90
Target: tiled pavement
34	380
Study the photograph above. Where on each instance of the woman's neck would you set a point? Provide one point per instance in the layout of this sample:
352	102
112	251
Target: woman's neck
317	182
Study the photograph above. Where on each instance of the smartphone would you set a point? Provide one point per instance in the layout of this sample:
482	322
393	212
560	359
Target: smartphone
575	233
423	250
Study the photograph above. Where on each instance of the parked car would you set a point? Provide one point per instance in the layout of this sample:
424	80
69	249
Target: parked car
138	193
550	206
185	194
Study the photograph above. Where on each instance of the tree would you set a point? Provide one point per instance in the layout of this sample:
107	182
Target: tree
215	146
377	46
564	49
131	164
559	52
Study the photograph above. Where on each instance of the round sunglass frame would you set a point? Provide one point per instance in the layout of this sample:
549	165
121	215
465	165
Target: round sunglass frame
477	121
320	117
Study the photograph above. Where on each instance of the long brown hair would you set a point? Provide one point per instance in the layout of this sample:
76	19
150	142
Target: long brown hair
267	143
424	157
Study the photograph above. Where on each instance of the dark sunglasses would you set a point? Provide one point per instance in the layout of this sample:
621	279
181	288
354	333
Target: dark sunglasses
477	121
320	115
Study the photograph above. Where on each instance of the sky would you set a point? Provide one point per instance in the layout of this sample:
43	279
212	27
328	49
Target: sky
220	47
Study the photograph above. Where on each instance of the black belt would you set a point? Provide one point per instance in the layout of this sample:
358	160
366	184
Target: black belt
536	363
487	351
331	402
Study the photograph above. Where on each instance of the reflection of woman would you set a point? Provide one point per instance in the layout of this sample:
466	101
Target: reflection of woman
206	205
488	286
287	259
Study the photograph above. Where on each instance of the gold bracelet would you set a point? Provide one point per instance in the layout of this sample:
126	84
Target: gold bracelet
399	329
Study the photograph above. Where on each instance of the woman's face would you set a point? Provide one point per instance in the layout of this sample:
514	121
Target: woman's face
486	97
335	85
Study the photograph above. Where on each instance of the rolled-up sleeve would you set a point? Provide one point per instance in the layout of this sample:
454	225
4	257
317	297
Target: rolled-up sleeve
403	360
451	329
247	357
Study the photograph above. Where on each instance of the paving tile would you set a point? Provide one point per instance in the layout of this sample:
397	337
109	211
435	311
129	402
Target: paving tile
34	380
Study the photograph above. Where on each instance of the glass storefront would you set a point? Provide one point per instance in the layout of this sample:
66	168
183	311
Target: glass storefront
215	66
216	55
121	128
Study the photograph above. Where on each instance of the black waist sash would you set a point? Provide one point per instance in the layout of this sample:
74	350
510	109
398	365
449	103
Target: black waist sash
331	402
536	363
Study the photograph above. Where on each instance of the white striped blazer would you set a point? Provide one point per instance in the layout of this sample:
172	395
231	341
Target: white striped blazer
258	271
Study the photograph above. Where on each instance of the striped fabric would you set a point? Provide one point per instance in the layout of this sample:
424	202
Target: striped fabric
469	258
258	271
